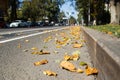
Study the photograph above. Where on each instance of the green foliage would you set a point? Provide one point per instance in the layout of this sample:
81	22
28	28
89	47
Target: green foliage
96	8
82	6
72	20
38	9
60	16
109	28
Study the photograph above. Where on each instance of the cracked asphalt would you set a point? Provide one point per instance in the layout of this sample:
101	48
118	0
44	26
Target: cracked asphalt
16	64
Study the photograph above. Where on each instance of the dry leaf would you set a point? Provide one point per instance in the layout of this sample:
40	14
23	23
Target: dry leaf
48	39
26	40
68	66
110	33
67	57
49	73
56	52
58	46
90	71
77	45
41	52
19	45
41	62
44	52
35	52
83	63
34	48
26	50
75	57
79	71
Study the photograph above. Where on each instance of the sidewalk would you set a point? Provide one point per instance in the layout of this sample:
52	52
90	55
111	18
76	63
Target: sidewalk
18	59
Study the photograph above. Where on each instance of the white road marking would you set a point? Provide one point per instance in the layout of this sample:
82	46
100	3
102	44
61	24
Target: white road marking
17	38
10	32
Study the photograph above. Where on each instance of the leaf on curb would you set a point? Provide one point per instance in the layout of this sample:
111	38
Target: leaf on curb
49	73
89	70
41	62
68	66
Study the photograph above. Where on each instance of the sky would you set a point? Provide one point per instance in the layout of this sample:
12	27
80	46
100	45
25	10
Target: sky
68	7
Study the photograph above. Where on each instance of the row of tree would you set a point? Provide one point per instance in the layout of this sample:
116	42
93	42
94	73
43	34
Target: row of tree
36	9
102	11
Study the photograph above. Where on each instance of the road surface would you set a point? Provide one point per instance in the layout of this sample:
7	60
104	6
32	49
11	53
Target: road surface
17	62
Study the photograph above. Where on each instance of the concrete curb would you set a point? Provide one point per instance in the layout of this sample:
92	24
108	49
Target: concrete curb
104	57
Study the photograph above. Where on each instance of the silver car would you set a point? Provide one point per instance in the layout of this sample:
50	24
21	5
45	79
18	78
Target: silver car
18	23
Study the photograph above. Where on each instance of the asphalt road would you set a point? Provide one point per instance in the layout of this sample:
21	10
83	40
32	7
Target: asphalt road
17	32
16	64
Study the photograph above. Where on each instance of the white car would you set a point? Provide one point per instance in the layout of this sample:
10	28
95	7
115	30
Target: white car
18	23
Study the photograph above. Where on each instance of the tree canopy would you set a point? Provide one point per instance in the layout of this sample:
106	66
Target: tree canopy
36	9
95	10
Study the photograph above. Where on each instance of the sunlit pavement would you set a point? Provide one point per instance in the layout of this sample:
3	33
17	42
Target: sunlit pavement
17	62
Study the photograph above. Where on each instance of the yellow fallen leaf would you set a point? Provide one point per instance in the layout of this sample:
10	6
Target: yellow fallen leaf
76	45
90	71
58	46
47	39
34	48
41	62
75	57
110	33
35	52
26	50
79	71
49	73
26	40
68	66
67	57
19	45
56	52
45	52
41	52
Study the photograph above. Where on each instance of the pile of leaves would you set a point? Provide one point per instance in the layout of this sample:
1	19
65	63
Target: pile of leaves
108	29
74	40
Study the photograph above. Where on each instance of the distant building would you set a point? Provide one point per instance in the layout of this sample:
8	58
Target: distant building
3	7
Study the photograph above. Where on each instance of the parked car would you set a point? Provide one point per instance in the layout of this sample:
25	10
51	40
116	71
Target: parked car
40	23
57	24
33	24
18	23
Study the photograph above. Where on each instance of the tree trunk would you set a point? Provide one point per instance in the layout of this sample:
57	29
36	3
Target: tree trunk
118	11
115	12
13	10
